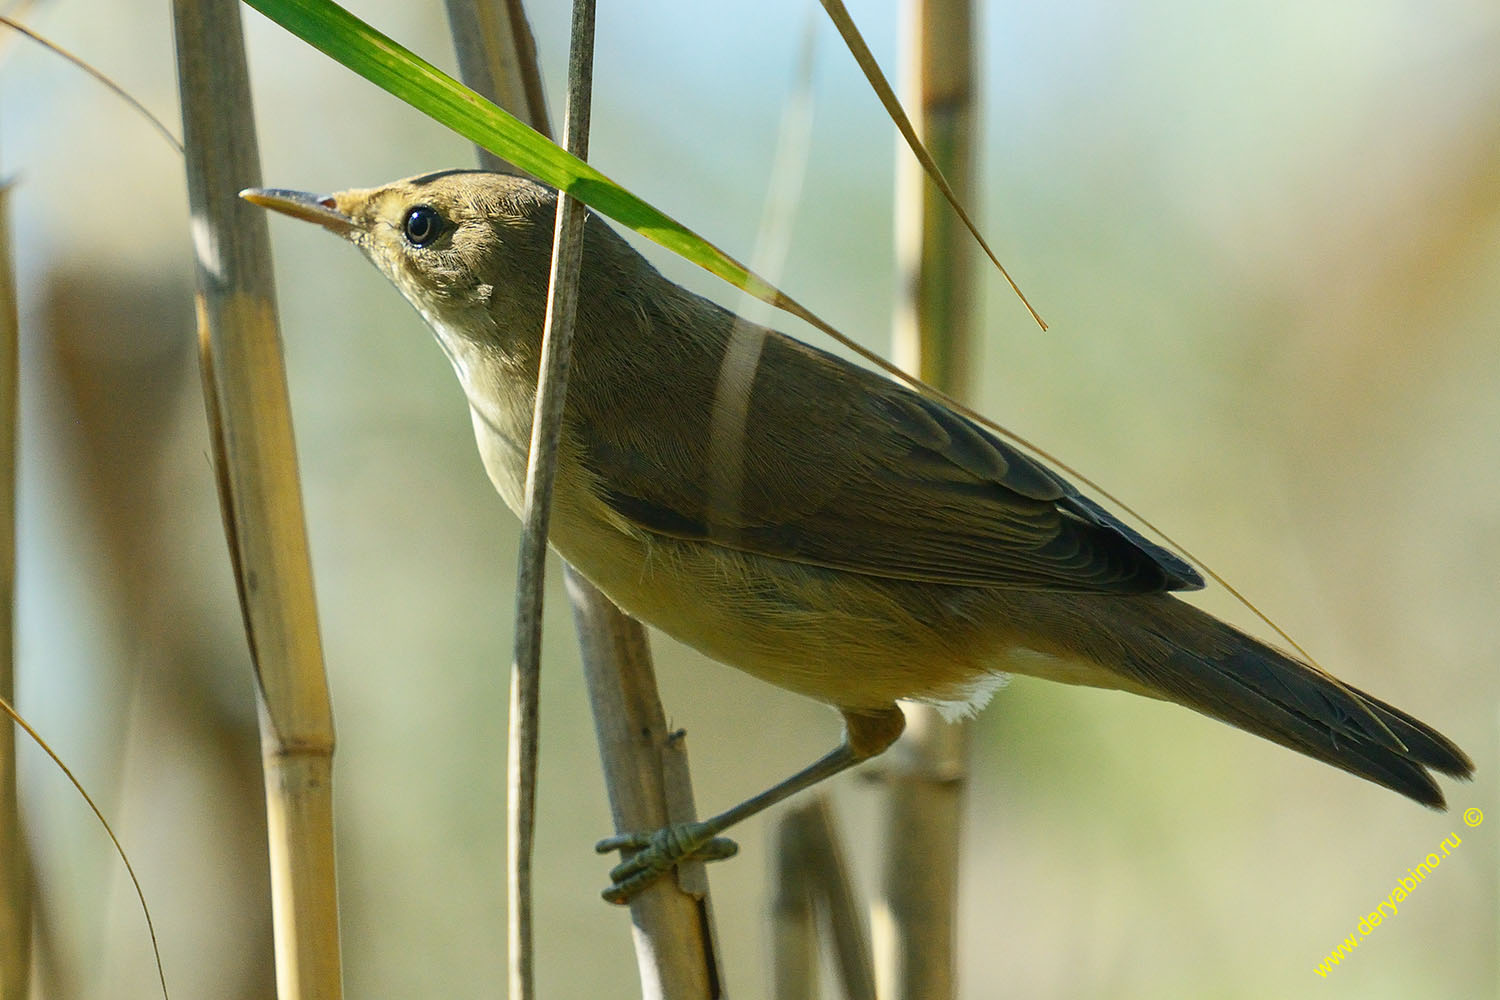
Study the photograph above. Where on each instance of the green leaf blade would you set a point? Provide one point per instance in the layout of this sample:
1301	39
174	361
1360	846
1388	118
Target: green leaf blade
395	69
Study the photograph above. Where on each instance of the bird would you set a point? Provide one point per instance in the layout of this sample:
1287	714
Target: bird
810	521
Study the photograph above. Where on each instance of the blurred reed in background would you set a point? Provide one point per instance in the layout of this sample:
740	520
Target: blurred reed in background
1266	239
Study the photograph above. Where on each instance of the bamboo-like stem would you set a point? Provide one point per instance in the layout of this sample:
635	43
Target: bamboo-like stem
645	768
541	472
260	496
934	325
916	916
646	772
15	878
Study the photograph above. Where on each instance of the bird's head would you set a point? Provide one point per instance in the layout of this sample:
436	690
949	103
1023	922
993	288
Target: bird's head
464	246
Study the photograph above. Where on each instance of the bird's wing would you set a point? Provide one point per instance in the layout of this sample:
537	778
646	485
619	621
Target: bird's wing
847	470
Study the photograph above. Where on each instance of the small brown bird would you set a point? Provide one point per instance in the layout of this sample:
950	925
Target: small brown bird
810	522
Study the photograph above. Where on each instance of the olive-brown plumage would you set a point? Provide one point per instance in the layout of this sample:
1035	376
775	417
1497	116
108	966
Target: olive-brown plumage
811	522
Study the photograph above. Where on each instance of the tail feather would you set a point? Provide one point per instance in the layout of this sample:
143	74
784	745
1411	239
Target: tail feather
1424	743
1198	661
1218	688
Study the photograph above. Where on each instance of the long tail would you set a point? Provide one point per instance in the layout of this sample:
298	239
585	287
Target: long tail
1192	658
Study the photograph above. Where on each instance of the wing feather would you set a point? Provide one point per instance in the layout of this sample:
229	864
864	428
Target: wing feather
844	469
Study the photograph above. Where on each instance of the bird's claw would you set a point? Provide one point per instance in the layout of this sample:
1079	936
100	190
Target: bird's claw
657	853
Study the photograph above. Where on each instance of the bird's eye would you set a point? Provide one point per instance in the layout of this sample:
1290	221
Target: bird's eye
423	225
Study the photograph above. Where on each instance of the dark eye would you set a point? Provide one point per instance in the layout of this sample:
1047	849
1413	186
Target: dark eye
423	225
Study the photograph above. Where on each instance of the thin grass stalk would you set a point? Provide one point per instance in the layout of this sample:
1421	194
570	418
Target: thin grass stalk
645	767
810	874
916	921
541	473
15	877
260	495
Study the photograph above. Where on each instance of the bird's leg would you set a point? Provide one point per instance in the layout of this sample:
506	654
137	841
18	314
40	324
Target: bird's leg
866	733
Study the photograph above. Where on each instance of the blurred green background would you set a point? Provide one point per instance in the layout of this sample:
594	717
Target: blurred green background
1268	239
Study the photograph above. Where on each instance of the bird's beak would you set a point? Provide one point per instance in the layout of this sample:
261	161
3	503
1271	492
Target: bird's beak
321	209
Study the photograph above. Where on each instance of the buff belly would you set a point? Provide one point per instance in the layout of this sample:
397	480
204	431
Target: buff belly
853	641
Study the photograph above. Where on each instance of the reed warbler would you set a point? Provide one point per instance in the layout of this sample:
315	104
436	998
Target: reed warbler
811	522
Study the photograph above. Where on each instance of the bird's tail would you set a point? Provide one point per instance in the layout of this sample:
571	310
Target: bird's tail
1188	656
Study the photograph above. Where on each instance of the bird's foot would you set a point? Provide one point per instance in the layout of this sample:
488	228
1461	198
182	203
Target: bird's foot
657	853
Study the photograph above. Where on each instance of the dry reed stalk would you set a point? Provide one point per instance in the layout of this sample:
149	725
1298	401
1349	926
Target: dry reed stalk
794	927
645	768
915	926
841	912
260	495
15	877
497	59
